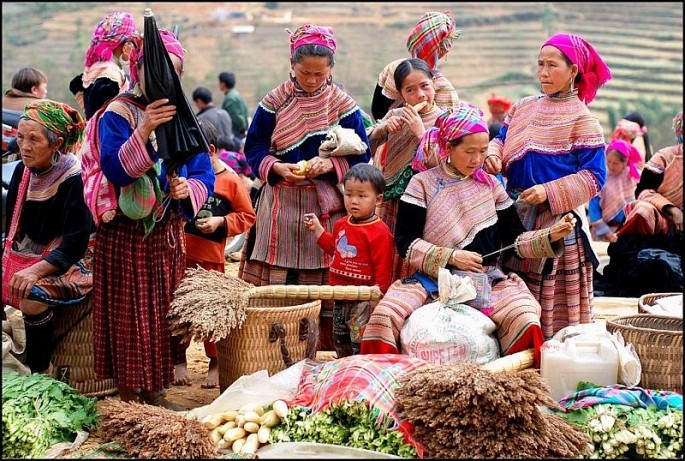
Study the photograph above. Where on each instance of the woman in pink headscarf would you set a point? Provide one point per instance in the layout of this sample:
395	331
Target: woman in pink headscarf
114	40
458	217
605	210
551	152
288	126
430	40
139	258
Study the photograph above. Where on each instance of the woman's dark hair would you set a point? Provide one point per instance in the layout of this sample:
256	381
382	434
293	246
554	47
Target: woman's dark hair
28	77
365	172
313	50
209	130
405	67
639	119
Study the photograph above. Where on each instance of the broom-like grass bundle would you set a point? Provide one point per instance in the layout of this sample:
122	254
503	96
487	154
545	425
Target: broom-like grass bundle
465	411
208	305
150	432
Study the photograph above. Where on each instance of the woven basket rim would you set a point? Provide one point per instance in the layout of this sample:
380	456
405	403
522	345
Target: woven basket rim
652	297
617	323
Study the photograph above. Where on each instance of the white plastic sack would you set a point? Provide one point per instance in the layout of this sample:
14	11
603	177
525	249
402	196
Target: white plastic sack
257	388
629	367
669	305
444	334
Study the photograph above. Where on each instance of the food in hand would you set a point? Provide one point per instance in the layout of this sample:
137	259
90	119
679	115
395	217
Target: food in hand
419	107
301	168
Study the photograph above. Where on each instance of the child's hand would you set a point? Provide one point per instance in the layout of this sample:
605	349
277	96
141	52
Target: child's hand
108	215
312	223
209	224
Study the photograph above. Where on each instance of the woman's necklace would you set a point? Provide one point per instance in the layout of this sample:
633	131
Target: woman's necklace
453	172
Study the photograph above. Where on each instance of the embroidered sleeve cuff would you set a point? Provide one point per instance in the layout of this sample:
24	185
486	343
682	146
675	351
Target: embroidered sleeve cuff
198	195
427	257
568	193
536	244
134	157
265	167
340	167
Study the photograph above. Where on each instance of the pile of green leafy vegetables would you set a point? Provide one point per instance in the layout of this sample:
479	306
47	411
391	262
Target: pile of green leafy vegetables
39	411
345	423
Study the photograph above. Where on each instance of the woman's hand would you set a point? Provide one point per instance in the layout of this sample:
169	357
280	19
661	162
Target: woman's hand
562	228
318	166
22	282
492	164
156	113
413	120
209	224
287	171
466	260
675	216
392	124
178	188
533	195
108	215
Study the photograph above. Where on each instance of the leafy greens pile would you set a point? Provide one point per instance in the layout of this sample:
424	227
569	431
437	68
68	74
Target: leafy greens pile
345	423
39	411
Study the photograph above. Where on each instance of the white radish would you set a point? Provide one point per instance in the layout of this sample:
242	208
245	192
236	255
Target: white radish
263	434
280	408
251	445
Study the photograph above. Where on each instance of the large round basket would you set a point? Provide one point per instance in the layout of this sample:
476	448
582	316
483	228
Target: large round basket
276	333
73	358
658	342
649	299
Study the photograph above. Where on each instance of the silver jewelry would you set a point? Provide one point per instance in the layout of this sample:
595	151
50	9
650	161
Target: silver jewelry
55	158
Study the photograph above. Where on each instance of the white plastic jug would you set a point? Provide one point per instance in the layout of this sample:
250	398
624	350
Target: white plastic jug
564	365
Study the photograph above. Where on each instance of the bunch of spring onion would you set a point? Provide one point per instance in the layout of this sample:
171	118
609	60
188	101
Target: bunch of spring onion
623	431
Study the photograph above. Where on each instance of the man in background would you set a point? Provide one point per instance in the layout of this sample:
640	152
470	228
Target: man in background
234	104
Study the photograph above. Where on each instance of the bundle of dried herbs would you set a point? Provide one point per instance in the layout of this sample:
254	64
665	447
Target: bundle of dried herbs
147	431
208	305
465	411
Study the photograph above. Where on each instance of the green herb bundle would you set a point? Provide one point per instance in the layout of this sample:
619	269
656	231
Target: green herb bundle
623	431
39	411
345	423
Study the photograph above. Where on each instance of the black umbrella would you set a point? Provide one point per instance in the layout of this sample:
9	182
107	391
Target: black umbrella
181	137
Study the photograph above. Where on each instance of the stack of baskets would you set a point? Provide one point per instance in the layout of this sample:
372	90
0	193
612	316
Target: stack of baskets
658	342
280	328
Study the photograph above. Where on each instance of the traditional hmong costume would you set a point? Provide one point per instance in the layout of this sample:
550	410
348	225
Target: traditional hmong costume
557	142
394	156
442	211
605	210
279	248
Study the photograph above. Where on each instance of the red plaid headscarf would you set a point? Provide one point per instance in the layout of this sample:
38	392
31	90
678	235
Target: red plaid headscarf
432	37
308	34
113	30
591	68
59	118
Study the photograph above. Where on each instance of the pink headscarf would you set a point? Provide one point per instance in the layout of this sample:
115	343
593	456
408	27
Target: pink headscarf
591	68
172	46
113	30
463	120
631	154
432	37
308	34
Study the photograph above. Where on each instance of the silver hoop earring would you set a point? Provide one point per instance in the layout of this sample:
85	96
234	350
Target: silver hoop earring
572	86
55	157
292	78
329	80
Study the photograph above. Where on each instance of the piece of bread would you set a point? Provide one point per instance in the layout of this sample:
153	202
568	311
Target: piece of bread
302	168
419	107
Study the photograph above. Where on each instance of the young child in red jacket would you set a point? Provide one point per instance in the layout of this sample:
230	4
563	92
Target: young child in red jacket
361	245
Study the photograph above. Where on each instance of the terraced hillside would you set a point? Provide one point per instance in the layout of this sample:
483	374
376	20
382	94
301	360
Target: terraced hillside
641	42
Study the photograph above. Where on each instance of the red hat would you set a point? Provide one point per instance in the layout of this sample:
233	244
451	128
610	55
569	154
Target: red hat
499	103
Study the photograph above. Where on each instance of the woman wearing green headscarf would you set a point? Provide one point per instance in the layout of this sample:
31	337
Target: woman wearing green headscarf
48	222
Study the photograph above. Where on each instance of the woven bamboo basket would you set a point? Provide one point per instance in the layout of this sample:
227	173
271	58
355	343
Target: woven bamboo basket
658	342
280	328
649	299
73	358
